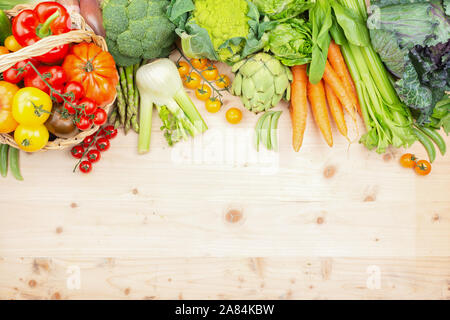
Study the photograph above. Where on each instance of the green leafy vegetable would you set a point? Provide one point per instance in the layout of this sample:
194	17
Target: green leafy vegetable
290	42
282	9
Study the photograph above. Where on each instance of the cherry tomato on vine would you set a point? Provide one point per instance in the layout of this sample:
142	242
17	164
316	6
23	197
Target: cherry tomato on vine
223	81
199	63
89	106
93	155
211	73
183	68
77	151
213	105
87	142
109	132
192	80
69	108
423	167
234	115
102	144
100	117
84	122
85	166
408	160
57	96
74	90
203	92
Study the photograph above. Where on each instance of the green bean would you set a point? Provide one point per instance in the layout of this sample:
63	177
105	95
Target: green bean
436	137
4	159
426	142
14	163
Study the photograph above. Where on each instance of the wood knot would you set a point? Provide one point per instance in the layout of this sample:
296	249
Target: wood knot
126	291
436	218
387	157
320	220
369	198
56	296
234	216
329	172
135	191
59	230
73	205
32	283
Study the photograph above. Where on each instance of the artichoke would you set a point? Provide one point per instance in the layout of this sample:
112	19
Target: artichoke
261	81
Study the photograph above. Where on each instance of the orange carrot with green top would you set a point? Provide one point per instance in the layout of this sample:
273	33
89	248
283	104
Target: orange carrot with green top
299	105
330	76
338	63
336	110
316	96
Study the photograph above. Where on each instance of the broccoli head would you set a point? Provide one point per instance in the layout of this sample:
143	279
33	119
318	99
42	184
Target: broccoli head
137	29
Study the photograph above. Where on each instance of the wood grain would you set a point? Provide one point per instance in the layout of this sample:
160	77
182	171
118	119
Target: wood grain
302	225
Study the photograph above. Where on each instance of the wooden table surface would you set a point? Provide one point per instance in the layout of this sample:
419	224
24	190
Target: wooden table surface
212	219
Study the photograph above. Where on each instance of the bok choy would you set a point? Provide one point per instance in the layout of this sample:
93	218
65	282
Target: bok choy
159	84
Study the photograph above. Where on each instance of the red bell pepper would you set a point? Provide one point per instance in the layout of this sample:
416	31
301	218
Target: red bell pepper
47	18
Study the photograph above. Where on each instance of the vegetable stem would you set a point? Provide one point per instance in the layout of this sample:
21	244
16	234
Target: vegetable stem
145	123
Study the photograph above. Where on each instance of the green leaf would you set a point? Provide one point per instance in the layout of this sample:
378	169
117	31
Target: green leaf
352	25
282	9
320	18
291	42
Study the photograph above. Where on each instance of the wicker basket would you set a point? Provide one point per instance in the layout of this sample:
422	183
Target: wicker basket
83	34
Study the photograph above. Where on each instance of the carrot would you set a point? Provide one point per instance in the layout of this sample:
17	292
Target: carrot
337	62
299	105
336	110
316	95
330	76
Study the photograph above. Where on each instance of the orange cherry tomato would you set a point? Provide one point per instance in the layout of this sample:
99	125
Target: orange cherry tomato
7	122
11	44
213	105
203	92
95	69
3	50
192	80
211	73
408	160
423	167
183	68
199	64
234	115
223	81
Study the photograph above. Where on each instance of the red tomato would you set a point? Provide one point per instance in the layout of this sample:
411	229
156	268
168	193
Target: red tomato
85	166
12	76
84	122
109	132
54	75
93	155
89	106
87	142
75	91
69	108
20	70
77	151
56	96
102	144
100	117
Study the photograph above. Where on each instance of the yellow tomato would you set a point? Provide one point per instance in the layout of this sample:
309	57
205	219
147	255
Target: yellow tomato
3	50
199	64
234	115
31	138
223	81
7	92
192	80
213	105
211	73
12	44
183	68
203	92
31	106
